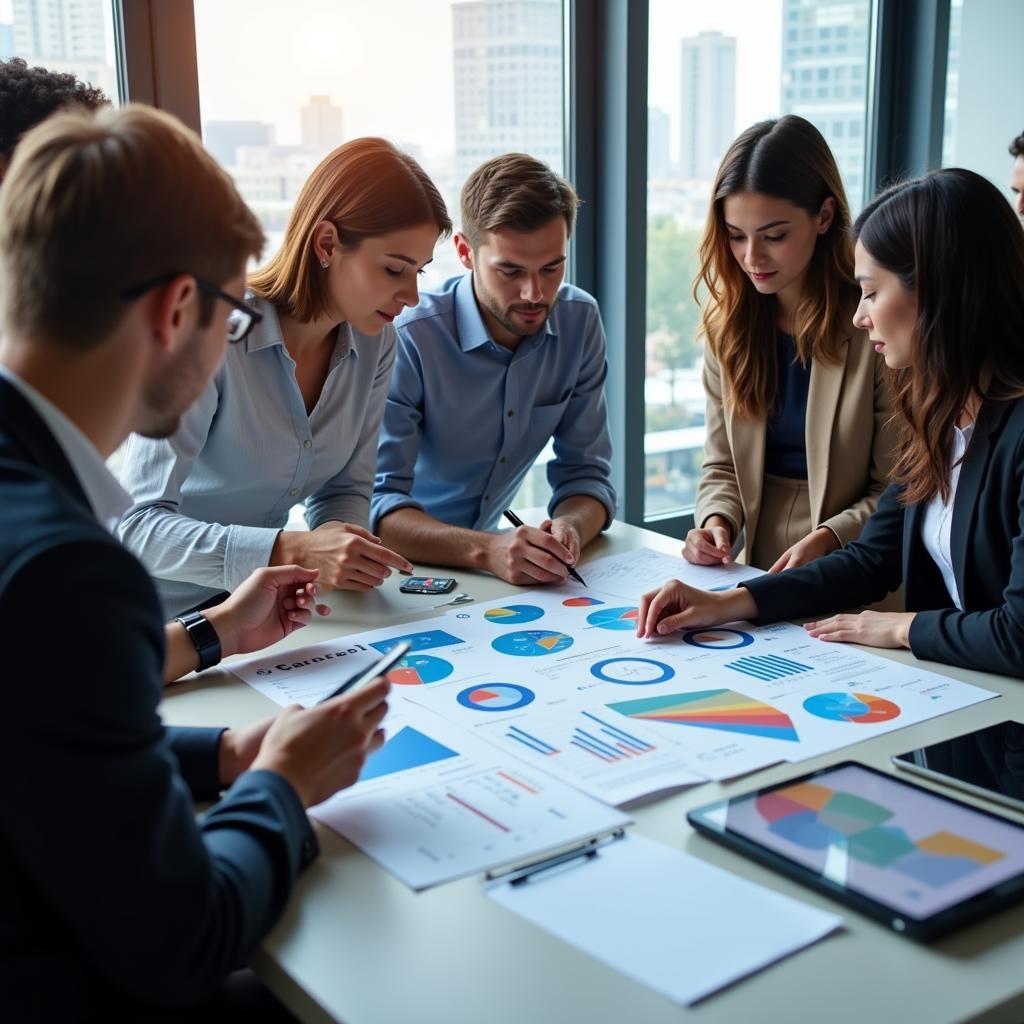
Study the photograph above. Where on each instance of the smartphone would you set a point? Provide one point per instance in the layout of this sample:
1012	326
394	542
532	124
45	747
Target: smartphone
378	668
988	763
428	585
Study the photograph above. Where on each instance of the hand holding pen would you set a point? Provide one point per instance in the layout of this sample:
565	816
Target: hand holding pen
533	555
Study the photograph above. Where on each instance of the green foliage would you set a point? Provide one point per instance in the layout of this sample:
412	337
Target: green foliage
672	315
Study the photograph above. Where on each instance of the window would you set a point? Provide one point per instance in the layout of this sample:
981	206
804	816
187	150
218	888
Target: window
74	36
746	74
452	83
984	78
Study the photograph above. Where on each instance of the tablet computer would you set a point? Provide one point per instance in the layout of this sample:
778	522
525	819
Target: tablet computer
922	863
987	762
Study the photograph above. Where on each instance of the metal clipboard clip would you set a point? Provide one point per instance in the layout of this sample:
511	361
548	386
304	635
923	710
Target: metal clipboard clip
522	873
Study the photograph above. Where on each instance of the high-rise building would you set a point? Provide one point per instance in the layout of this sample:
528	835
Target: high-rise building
68	36
7	50
707	112
62	30
508	81
824	77
224	138
321	126
658	161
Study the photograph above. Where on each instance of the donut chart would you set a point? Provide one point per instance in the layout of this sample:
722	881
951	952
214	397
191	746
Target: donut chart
858	708
496	697
580	602
718	639
632	671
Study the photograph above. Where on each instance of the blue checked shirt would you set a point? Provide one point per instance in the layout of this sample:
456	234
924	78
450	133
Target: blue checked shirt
465	418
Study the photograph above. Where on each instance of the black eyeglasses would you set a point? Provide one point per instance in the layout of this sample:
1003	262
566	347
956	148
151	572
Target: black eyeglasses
241	320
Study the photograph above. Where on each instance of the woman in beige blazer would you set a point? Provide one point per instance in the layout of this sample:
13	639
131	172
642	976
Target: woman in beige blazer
799	445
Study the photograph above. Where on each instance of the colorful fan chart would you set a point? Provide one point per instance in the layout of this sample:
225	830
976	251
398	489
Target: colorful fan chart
725	710
614	618
859	708
531	643
514	614
496	697
420	670
817	817
580	602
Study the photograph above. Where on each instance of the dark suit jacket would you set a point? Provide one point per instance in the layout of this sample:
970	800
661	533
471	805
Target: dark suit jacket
987	544
111	894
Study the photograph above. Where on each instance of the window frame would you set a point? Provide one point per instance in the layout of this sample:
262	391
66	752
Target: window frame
605	59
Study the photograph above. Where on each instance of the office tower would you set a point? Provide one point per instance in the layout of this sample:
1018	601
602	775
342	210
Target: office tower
658	163
508	81
707	113
224	138
824	77
7	50
61	30
321	126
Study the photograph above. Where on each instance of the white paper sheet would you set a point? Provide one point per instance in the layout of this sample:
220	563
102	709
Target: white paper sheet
671	921
435	804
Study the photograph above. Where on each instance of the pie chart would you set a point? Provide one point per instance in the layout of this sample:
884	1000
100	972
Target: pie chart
495	697
614	618
580	602
513	614
419	670
531	643
717	639
859	708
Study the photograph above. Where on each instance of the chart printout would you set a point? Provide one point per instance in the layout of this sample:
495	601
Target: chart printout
435	804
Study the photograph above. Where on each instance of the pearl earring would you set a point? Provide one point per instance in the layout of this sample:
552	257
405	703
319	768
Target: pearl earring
325	264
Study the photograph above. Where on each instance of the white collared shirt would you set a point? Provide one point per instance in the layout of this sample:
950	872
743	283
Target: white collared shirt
936	526
107	498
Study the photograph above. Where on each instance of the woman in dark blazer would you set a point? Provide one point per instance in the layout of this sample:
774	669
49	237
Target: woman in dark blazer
940	262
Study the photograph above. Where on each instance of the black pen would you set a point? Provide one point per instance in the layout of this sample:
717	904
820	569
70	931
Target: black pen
516	521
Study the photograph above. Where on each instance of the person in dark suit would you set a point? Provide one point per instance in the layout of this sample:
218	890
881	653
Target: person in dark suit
940	262
122	256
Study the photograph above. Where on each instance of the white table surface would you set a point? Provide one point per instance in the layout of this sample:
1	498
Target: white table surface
355	945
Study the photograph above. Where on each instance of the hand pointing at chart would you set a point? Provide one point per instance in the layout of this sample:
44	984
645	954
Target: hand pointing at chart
675	605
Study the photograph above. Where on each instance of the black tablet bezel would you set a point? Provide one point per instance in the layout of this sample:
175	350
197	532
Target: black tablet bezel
984	904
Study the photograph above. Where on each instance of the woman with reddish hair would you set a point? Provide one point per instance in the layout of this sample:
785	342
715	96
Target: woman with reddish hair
293	414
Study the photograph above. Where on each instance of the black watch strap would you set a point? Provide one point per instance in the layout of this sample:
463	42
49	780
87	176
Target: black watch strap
203	636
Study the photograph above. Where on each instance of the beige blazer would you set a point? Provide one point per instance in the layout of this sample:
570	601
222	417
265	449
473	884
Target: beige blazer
850	445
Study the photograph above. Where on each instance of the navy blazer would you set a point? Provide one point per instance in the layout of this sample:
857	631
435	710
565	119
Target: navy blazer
111	893
987	547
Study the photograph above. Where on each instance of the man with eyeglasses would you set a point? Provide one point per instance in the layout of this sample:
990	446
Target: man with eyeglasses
122	256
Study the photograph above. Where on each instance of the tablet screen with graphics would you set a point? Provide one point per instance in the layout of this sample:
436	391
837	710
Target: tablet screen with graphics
907	855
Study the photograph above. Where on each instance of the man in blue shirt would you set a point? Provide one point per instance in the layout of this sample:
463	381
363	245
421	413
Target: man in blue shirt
489	369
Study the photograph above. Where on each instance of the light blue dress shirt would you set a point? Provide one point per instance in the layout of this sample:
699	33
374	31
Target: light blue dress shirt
466	418
210	501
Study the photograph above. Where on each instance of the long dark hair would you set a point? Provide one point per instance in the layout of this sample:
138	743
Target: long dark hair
957	247
789	159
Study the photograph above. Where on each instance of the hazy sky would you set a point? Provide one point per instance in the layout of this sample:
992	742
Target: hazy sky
389	63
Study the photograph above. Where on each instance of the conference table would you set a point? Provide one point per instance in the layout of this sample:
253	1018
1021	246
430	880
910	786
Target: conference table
356	945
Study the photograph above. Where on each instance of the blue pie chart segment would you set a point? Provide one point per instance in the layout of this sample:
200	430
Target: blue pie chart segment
632	671
513	614
718	639
531	643
495	697
614	618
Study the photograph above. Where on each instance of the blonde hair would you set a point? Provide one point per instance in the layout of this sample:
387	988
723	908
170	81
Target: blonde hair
365	188
789	159
95	203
